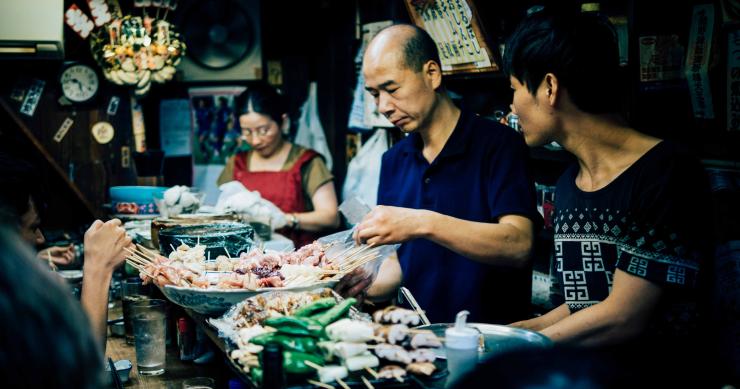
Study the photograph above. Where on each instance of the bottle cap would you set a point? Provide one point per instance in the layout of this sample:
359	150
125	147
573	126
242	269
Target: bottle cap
461	336
590	7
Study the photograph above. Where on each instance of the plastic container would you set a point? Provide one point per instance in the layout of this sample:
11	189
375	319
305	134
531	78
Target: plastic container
135	200
461	347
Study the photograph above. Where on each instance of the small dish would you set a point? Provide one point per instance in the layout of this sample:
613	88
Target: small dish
71	275
123	368
117	329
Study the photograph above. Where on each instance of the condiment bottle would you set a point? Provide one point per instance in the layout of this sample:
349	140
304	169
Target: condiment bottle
273	376
461	347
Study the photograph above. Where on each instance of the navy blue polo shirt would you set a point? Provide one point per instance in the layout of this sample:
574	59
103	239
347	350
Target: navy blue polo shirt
480	175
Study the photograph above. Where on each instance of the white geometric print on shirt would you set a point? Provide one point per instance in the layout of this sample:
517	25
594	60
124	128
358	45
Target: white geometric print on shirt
676	274
591	256
574	286
638	266
558	256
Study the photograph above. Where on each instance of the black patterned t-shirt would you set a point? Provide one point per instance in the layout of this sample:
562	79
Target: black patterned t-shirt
652	221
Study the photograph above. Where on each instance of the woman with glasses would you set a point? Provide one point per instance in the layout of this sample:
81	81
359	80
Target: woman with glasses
294	178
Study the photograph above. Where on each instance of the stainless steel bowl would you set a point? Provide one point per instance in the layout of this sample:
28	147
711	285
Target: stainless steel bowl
496	339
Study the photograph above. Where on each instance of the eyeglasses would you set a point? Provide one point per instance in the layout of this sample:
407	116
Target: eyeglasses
260	131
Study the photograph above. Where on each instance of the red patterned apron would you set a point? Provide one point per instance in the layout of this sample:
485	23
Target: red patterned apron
282	188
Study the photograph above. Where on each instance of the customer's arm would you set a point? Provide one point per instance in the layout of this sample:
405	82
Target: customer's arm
104	251
507	242
623	315
544	321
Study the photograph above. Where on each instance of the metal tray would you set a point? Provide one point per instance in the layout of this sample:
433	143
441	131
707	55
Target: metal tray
496	339
354	380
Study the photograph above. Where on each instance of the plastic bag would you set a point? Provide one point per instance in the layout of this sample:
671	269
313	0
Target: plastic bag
342	241
236	198
363	172
310	132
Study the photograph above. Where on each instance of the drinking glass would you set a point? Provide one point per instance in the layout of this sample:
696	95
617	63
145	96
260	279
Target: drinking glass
132	290
150	320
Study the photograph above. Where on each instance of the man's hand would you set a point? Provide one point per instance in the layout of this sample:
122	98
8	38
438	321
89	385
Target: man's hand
354	283
105	245
60	255
390	225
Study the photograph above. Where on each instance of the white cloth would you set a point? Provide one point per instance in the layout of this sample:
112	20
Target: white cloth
363	172
236	198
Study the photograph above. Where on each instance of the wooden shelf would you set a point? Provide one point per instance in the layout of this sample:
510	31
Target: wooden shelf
28	134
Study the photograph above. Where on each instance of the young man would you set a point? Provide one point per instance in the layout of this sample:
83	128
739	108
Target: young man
456	191
631	215
105	243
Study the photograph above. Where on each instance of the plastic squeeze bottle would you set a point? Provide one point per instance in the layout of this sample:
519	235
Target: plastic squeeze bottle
461	347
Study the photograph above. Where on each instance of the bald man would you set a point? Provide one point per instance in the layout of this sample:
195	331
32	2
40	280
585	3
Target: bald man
455	192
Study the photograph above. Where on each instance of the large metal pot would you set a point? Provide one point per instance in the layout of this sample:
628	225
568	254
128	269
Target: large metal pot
496	339
219	238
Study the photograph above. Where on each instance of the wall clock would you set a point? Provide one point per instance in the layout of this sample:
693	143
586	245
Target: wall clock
79	83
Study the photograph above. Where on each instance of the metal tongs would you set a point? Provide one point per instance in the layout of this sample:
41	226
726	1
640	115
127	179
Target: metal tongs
412	301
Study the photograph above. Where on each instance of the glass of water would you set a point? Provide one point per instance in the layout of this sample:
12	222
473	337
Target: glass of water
132	291
149	319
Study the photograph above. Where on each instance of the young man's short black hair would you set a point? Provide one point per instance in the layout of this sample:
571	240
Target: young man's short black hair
419	49
579	49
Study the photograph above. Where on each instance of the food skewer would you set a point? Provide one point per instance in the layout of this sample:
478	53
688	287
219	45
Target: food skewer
313	365
366	382
320	384
372	372
342	383
52	265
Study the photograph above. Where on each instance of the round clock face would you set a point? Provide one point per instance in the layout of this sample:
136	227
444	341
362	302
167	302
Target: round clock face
79	83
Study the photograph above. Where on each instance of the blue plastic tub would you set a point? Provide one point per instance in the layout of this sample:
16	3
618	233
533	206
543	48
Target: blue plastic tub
135	200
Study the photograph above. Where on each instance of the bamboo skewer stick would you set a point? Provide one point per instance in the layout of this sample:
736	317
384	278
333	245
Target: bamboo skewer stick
138	255
137	261
372	372
140	269
52	265
312	365
366	382
320	384
342	383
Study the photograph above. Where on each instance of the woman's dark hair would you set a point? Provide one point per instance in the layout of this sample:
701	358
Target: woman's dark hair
45	338
579	49
263	99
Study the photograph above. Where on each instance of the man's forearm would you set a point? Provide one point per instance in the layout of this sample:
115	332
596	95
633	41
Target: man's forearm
387	282
493	243
94	300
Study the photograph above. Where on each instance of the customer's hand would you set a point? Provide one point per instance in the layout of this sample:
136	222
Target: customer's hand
389	225
105	245
60	255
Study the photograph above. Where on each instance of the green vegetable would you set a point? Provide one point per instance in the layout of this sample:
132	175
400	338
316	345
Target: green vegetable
303	344
315	307
295	326
336	312
262	339
256	375
295	362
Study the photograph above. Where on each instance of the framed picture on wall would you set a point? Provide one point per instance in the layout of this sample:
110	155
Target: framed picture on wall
455	27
